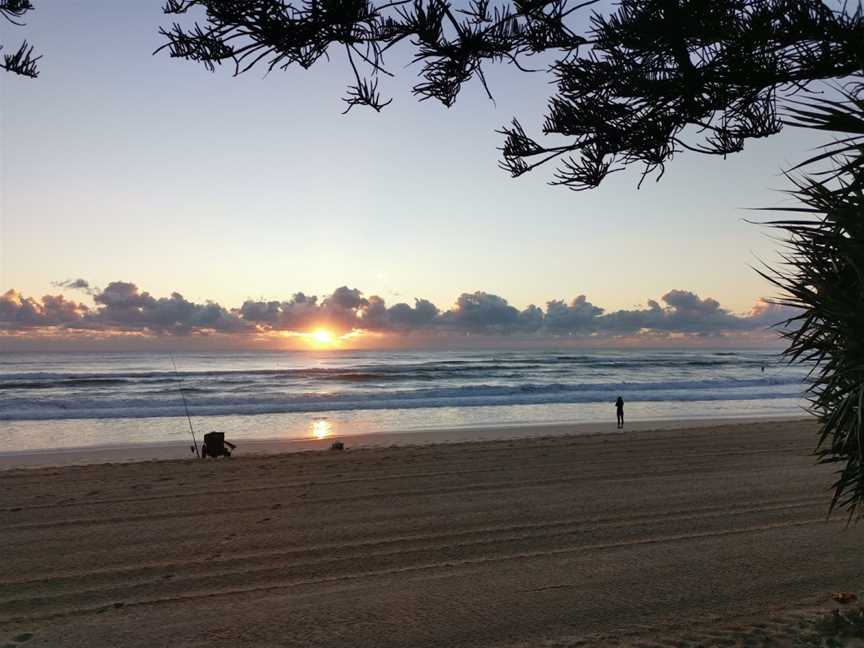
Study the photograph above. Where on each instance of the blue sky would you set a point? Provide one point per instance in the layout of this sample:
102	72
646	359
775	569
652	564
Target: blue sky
122	166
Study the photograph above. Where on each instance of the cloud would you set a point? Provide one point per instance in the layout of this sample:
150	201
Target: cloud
376	316
75	284
686	313
481	312
769	313
19	312
343	311
578	316
298	313
122	308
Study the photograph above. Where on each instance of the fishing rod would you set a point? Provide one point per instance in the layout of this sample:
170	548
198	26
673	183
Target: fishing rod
185	405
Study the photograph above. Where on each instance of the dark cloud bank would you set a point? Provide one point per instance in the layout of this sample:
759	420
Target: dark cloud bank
122	308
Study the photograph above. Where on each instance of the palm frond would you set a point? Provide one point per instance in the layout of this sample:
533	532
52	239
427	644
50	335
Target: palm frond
823	275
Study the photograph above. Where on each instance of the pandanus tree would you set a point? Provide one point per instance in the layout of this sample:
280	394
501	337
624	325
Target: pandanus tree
823	276
648	80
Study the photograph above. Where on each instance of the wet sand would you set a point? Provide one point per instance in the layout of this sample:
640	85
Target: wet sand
690	536
122	453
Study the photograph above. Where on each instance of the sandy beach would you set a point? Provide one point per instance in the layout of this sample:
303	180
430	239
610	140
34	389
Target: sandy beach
692	536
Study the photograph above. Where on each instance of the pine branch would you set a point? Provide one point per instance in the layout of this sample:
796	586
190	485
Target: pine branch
22	61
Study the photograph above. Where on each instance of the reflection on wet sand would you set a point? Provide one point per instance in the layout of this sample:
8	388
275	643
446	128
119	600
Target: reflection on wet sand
322	428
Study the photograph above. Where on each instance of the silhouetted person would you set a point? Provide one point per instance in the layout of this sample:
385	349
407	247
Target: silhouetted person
619	406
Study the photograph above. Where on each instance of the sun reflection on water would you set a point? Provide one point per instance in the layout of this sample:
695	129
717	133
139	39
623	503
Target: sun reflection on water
322	428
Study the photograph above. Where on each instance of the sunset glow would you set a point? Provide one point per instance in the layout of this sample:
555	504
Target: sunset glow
323	337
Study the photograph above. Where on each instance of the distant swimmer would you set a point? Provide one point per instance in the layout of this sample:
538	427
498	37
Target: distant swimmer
619	406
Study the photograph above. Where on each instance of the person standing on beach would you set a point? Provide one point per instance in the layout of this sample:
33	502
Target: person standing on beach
619	406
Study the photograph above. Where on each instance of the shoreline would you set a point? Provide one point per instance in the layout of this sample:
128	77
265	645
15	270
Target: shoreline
165	451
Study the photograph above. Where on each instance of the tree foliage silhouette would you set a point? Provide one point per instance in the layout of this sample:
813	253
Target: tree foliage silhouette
21	61
651	79
823	276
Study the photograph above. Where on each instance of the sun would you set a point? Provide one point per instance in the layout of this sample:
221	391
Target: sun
322	336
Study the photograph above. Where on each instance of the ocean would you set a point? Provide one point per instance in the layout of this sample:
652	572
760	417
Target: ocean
70	400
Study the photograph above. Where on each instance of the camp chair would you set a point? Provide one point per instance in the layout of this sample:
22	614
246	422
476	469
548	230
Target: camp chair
214	445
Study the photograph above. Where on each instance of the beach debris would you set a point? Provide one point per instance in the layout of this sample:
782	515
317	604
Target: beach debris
337	445
844	597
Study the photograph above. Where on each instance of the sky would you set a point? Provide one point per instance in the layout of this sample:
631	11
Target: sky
121	168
